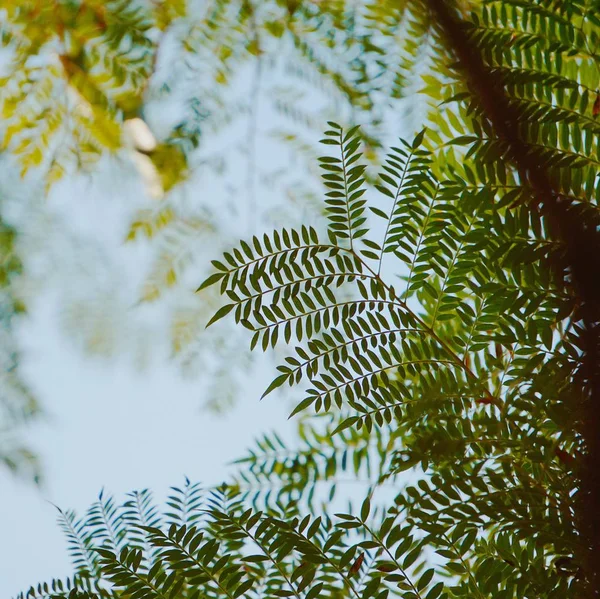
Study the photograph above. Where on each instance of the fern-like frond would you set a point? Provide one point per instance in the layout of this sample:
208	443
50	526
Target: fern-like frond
452	363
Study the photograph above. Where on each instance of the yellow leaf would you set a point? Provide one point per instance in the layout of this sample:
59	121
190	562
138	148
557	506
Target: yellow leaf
171	277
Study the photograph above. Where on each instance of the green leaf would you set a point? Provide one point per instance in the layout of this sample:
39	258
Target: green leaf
305	403
365	509
275	384
211	280
418	139
221	313
346	423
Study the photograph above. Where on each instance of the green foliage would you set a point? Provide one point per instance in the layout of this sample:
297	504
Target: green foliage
468	361
226	550
437	355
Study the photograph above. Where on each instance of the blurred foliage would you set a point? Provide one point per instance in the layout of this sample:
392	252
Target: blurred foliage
17	405
75	71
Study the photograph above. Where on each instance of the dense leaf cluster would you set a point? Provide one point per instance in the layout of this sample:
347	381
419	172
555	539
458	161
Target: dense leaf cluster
469	360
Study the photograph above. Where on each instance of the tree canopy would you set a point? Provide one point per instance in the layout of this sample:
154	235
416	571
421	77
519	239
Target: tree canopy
442	323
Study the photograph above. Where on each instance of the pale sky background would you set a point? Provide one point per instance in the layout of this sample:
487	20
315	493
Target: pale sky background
111	424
